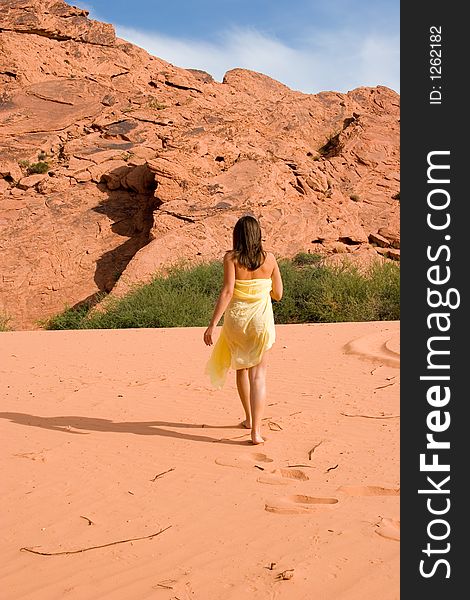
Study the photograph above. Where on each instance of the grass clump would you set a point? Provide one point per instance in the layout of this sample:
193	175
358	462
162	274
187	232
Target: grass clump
39	167
185	297
155	104
4	320
313	293
332	294
70	318
305	258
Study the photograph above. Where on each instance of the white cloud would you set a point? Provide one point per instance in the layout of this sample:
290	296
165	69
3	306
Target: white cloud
379	56
336	60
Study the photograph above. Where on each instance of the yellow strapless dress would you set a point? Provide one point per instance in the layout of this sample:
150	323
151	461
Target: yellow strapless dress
248	330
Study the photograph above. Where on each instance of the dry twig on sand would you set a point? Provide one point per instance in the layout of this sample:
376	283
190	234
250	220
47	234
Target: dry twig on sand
273	426
144	537
384	386
331	468
90	522
372	416
310	452
284	575
161	474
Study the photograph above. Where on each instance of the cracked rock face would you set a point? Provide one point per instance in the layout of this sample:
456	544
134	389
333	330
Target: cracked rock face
55	19
147	163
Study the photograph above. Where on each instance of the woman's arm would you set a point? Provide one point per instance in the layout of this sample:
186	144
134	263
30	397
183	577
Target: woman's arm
224	298
277	289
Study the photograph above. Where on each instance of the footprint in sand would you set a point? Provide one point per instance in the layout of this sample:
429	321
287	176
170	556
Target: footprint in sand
283	476
382	346
368	490
245	461
296	504
388	528
33	455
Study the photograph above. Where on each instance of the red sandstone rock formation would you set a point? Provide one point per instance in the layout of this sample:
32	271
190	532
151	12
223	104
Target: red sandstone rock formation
148	163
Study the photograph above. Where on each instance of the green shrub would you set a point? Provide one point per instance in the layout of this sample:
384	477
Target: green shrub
32	168
305	258
4	320
326	294
313	293
39	167
185	297
70	318
155	104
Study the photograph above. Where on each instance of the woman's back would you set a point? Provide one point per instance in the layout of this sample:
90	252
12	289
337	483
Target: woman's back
264	271
269	269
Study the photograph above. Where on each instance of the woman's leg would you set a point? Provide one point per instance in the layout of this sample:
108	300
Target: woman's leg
243	387
257	378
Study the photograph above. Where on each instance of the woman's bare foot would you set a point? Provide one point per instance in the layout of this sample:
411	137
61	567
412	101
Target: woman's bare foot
256	438
246	423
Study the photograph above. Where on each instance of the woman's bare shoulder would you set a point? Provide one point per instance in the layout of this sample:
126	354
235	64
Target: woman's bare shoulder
270	257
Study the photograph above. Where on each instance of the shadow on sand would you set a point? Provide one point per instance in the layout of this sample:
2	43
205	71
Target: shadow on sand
84	425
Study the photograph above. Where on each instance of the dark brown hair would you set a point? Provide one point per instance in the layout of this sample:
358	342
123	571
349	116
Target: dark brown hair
247	246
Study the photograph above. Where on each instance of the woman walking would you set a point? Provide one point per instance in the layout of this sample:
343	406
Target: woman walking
251	279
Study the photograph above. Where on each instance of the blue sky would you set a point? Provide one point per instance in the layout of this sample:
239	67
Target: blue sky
310	45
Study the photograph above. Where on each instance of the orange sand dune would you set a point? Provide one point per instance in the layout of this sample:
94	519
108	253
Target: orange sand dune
114	435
